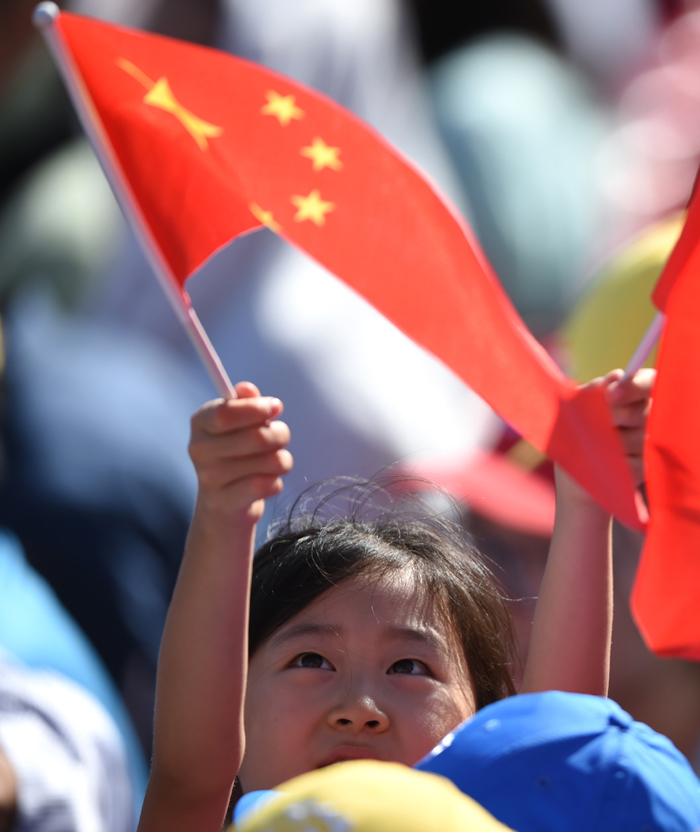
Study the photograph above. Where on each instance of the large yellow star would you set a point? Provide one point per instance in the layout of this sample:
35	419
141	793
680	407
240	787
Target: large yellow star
282	106
312	207
160	95
265	217
322	155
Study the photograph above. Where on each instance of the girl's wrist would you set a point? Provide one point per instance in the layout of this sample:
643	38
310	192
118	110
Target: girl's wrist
572	496
220	515
219	532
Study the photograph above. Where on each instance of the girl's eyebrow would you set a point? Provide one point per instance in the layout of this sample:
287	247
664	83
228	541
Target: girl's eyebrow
300	630
419	635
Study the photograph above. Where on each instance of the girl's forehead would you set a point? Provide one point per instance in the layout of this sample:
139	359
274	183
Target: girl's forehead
395	599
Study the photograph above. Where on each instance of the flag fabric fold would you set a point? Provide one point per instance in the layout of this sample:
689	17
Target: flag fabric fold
210	146
666	595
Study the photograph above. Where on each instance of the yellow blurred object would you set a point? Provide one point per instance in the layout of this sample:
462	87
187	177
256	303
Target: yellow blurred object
606	326
370	796
525	455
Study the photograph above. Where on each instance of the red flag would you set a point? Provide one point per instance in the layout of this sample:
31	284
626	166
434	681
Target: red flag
210	146
685	254
666	595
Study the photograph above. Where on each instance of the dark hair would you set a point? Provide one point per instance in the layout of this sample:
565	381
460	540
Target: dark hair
377	533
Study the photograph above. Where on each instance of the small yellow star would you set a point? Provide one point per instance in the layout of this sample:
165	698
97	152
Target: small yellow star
282	106
265	217
312	207
322	155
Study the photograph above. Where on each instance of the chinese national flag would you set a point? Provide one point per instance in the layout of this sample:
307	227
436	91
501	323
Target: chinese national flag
209	146
666	595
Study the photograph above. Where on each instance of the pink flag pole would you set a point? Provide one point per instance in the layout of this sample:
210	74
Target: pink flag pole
44	17
646	345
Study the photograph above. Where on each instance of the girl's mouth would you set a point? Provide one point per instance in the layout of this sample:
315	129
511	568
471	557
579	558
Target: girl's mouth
349	752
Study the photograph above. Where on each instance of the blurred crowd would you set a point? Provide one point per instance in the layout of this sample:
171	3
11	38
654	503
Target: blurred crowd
567	133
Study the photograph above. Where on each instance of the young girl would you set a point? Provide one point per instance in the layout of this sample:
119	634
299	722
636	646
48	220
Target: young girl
368	639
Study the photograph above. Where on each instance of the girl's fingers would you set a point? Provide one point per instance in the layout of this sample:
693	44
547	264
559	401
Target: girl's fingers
247	491
630	400
210	449
246	390
238	449
631	415
269	465
222	476
635	389
221	416
630	403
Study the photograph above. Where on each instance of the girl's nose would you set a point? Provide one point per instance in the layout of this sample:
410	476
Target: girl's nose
359	713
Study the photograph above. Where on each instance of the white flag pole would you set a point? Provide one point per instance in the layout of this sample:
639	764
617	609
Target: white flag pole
646	345
44	16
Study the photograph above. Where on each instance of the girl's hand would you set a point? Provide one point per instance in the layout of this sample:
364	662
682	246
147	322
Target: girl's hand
239	453
630	402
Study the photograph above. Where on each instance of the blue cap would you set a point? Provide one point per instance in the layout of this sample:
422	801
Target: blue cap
547	762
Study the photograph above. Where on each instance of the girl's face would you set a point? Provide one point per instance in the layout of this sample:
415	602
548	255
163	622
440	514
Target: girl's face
369	670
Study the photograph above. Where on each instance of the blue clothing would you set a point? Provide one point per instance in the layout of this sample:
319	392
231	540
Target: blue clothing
35	628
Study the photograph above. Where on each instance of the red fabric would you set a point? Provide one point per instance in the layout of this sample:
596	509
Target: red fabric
492	485
387	233
666	595
686	253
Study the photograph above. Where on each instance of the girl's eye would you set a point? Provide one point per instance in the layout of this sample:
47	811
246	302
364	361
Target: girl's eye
312	660
410	667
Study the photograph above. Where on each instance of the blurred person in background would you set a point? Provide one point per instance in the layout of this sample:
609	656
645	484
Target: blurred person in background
40	641
525	95
69	756
62	761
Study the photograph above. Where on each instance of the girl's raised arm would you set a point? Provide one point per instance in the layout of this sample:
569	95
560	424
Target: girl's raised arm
239	454
571	634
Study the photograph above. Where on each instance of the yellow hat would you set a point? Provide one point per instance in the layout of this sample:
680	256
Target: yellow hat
605	327
370	796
